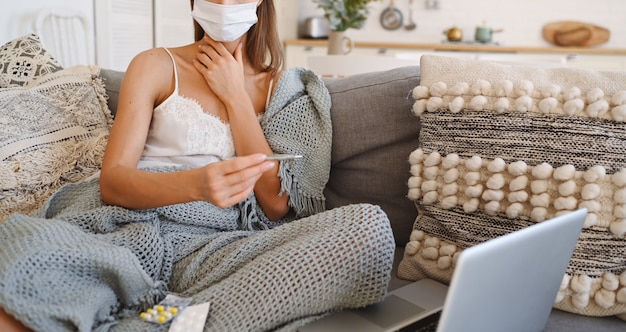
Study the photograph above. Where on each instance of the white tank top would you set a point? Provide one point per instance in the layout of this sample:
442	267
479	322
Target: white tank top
181	133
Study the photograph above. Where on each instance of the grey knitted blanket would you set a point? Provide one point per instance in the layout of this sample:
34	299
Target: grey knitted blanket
80	265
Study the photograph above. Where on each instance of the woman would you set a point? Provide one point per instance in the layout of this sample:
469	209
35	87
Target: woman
192	204
229	83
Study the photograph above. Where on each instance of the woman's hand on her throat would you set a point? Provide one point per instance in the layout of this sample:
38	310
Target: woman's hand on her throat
223	71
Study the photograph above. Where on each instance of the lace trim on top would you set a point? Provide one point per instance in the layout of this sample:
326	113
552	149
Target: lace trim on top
207	134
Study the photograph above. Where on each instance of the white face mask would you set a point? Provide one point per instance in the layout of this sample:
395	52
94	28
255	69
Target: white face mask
224	23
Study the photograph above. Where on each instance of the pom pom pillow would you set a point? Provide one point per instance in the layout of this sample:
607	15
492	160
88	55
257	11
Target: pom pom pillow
503	147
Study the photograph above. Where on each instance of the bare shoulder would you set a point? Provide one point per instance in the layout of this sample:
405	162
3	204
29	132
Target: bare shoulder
150	62
149	74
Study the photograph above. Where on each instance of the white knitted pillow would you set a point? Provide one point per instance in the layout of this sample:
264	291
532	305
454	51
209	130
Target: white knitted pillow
23	60
503	147
52	132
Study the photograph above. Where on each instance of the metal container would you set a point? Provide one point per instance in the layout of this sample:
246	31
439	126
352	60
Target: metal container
484	34
454	34
315	27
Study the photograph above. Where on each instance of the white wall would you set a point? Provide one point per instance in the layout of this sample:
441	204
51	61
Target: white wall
123	29
120	28
17	17
522	20
288	18
174	26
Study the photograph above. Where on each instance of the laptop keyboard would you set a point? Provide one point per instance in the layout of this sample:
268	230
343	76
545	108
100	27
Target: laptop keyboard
428	324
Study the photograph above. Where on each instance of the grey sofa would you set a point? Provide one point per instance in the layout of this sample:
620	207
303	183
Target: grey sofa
373	134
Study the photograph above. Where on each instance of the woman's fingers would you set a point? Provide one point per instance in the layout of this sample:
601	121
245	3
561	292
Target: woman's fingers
222	70
235	194
203	59
213	53
231	181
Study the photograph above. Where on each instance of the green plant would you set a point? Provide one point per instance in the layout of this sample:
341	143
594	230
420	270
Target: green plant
345	14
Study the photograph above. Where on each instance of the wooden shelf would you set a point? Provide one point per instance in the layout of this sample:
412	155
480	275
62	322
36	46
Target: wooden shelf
468	47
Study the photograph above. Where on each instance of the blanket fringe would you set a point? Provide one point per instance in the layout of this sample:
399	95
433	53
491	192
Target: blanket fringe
303	204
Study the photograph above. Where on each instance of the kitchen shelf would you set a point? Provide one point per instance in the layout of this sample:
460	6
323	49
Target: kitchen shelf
465	47
298	51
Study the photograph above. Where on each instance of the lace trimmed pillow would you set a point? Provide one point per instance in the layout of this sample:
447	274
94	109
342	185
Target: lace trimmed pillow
52	132
23	60
504	147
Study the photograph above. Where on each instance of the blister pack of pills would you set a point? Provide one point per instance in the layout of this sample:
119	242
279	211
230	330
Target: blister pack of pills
166	310
191	319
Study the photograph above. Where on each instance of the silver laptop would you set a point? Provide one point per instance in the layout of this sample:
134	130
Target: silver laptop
505	284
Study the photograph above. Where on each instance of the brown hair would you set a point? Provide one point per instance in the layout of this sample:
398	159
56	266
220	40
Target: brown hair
263	49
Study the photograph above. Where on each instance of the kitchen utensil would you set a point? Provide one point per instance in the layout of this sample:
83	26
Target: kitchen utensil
575	33
454	34
391	17
411	25
484	33
315	27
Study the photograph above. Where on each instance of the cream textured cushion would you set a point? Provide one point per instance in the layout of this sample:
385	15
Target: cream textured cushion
503	147
53	131
24	59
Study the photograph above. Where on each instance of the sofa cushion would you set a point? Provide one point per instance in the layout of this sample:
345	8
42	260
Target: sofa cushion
24	59
113	82
503	147
373	134
53	132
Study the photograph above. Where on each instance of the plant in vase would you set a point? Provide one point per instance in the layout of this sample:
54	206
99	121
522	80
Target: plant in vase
343	15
